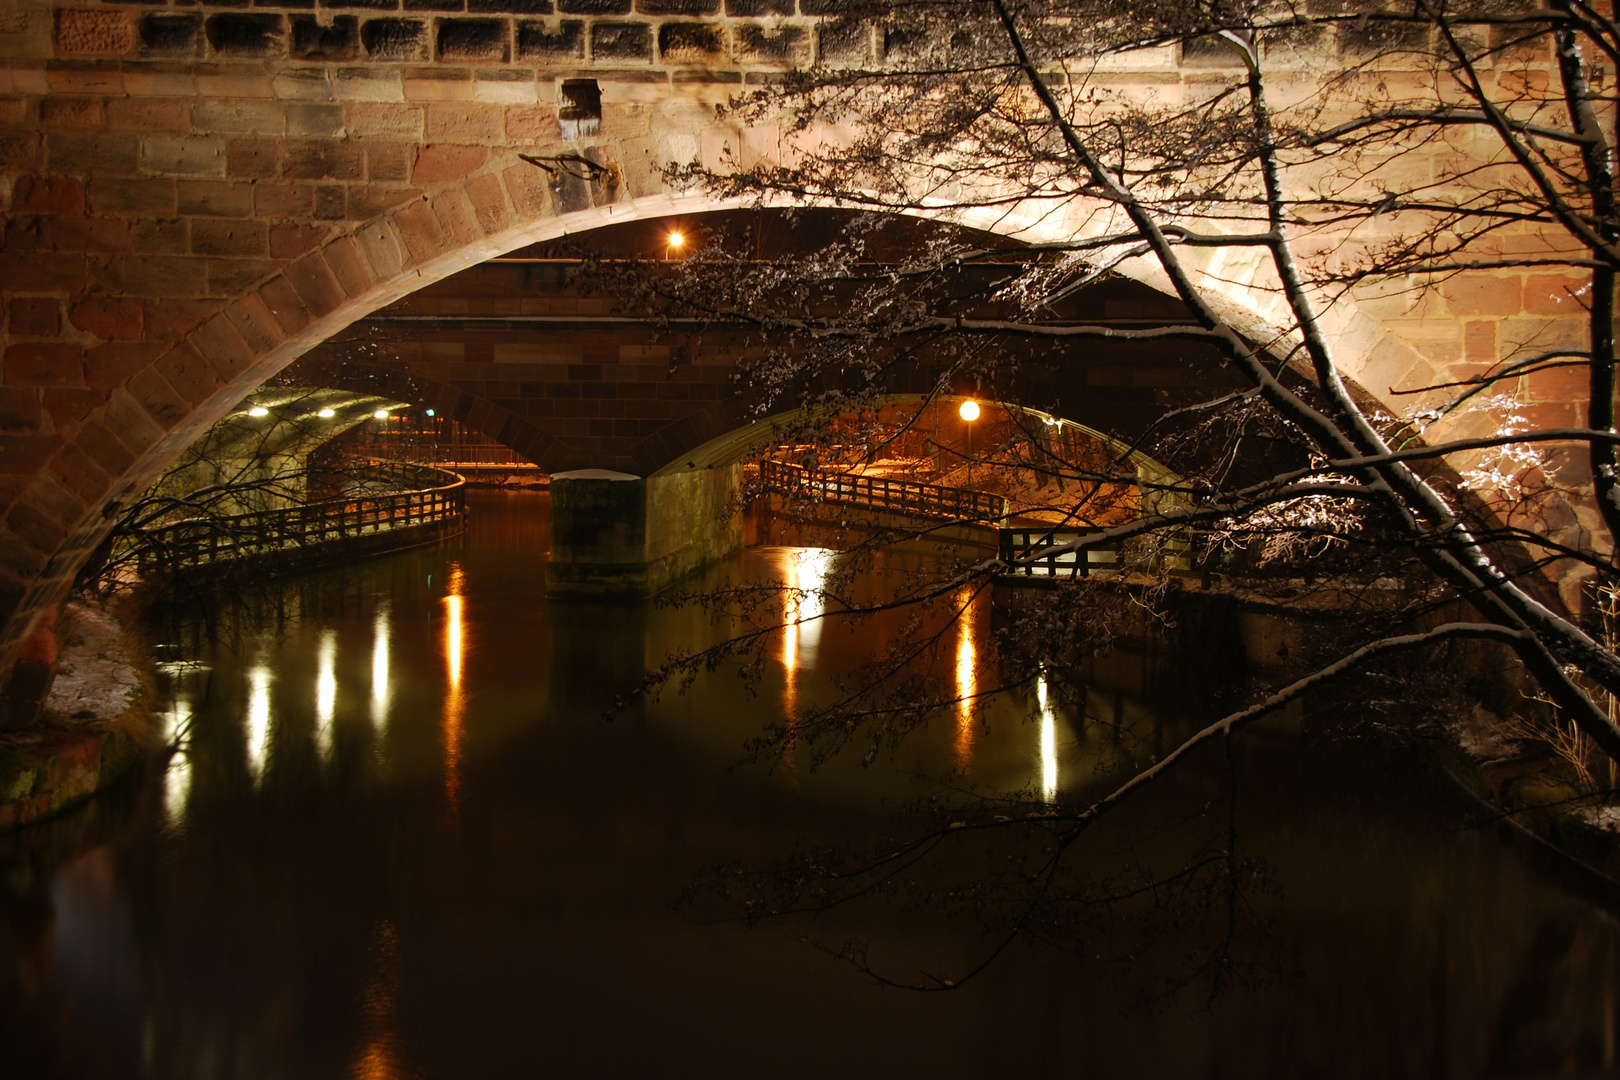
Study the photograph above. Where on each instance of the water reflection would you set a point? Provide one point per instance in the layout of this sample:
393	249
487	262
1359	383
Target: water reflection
379	667
380	1056
326	691
177	776
1049	758
967	679
455	699
804	579
258	720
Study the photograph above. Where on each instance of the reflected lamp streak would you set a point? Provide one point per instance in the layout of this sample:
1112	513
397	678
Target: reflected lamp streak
1049	764
379	668
258	720
326	690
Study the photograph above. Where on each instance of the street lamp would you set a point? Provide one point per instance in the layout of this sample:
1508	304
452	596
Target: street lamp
969	412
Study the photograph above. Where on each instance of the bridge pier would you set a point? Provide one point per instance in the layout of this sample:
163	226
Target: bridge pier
614	534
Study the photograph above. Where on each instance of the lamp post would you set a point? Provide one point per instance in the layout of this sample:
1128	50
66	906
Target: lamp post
969	413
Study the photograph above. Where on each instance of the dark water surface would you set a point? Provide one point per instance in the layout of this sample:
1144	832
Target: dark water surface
401	842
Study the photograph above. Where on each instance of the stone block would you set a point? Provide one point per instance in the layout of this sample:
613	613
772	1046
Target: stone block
456	218
236	238
348	266
253	159
283	302
419	230
290	242
43	364
48	195
91	234
320	160
483	41
101	32
336	41
169	319
315	121
141	197
135	114
239	118
71	113
188	373
170	37
183	155
258	34
752	43
1484	294
161	236
488	203
233	277
27	271
35	317
367	201
316	285
503	87
380	247
691	43
614	42
393	121
254	323
464	122
363	84
20	149
106	154
844	43
446	6
438	83
20	410
510	7
756	9
395	40
440	163
164	276
331	202
540	43
214	198
110	319
389	162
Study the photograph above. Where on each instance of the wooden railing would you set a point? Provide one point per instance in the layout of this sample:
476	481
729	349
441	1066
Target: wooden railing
433	495
1031	553
882	493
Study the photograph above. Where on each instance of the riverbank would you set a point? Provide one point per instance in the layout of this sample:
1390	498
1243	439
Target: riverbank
97	722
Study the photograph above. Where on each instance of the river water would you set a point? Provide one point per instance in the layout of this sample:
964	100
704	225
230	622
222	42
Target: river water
401	841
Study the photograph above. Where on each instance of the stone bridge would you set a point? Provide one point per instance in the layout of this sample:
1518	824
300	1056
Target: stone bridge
198	194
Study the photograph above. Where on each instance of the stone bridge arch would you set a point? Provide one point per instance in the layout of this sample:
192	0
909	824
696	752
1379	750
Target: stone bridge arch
197	196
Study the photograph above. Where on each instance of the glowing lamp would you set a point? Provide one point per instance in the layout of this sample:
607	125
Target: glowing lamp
380	414
969	411
258	410
430	412
676	239
326	414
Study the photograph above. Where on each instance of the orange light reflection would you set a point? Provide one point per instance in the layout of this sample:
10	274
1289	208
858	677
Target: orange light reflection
379	1058
967	680
455	700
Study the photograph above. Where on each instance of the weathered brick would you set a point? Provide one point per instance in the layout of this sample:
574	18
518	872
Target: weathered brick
456	218
594	7
526	186
442	83
755	9
331	202
189	373
253	159
91	234
303	84
258	34
110	319
1556	294
161	236
291	241
101	77
211	198
163	276
131	424
366	201
183	155
35	317
348	266
73	113
394	121
755	44
165	405
68	407
20	410
48	195
419	229
102	155
114	364
239	118
73	466
339	40
132	196
510	7
107	32
315	121
137	114
169	319
44	364
254	323
20	149
223	348
48	271
464	122
316	285
532	124
1484	294
538	42
284	303
368	84
440	163
106	450
395	39
315	160
691	43
232	277
380	246
844	43
389	162
232	237
621	42
473	41
170	36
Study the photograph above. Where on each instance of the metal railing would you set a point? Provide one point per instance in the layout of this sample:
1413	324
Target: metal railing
436	495
882	493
